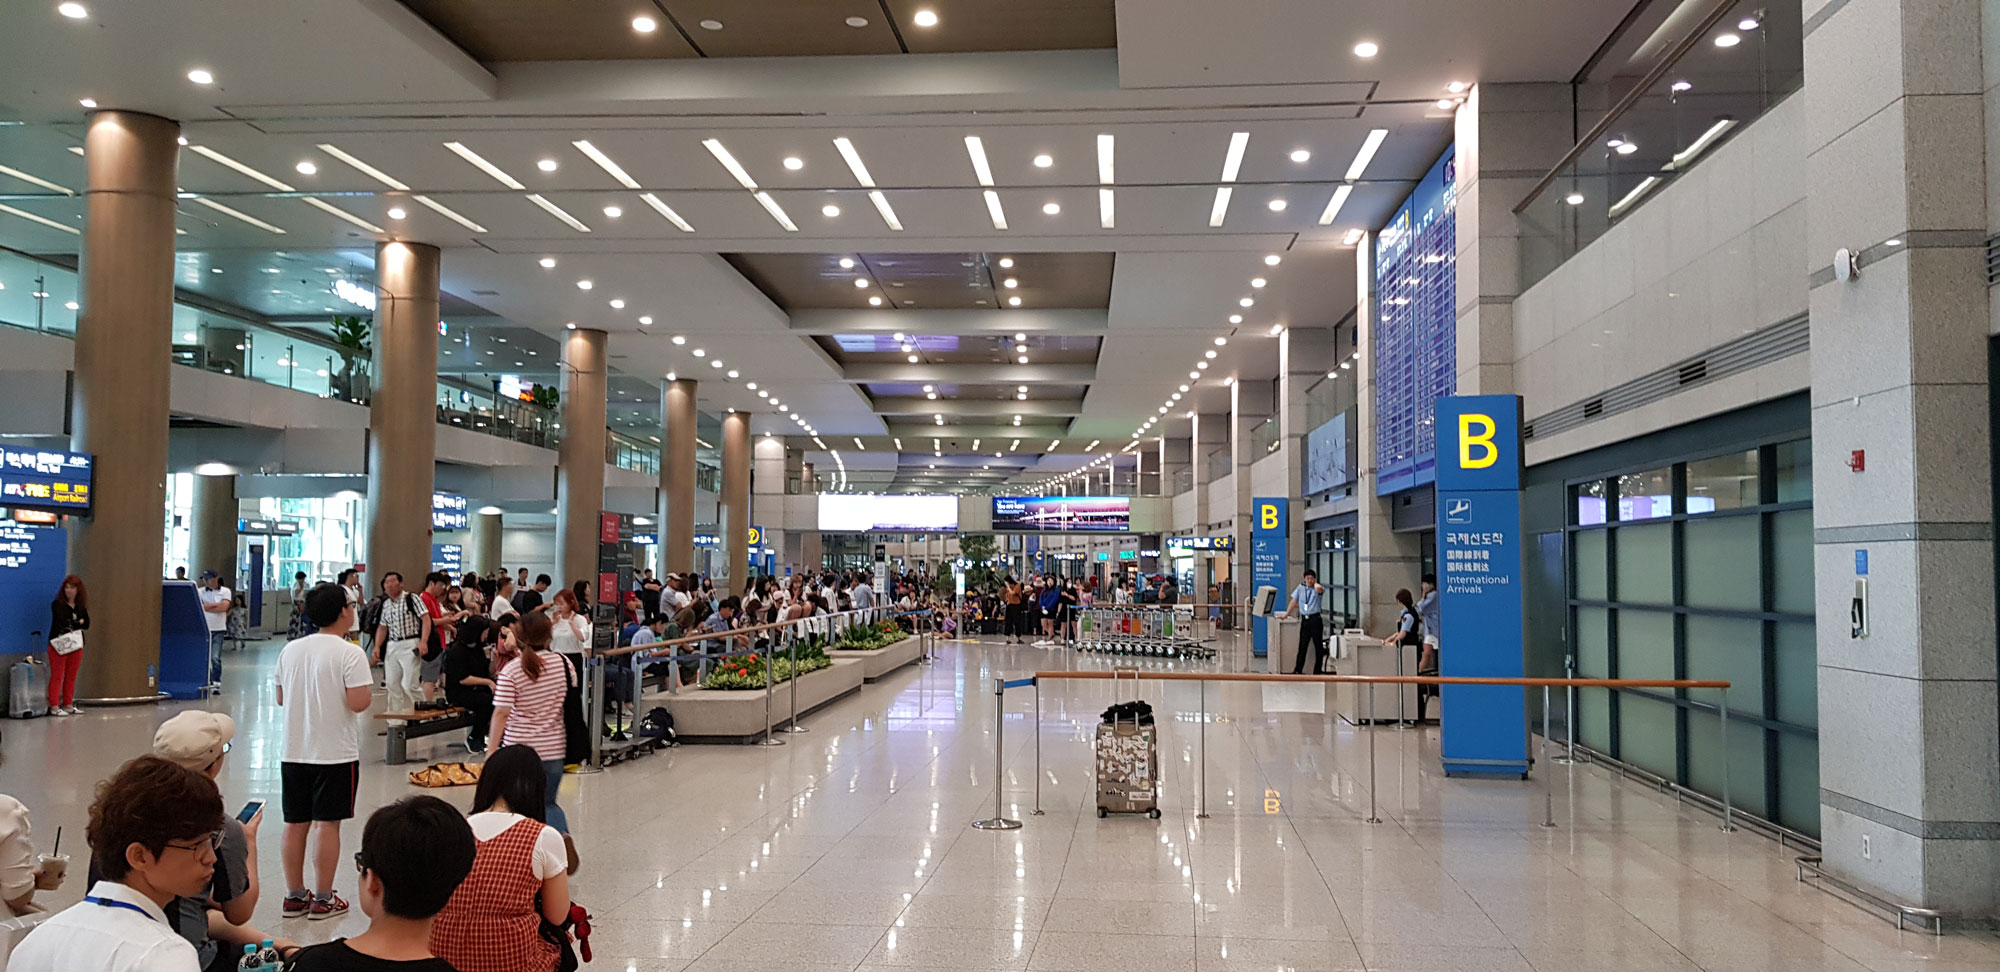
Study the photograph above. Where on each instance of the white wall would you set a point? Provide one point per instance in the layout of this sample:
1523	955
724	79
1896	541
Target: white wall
1221	500
1183	512
1267	476
1714	255
533	548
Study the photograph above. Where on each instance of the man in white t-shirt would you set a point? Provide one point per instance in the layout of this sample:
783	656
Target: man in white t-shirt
215	603
503	599
323	683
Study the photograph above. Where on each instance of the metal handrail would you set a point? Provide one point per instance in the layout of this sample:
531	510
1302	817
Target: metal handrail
1596	133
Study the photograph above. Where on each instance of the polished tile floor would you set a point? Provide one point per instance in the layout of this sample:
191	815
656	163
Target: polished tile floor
850	848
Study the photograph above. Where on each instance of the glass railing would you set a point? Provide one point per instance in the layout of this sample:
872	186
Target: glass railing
626	452
1216	465
1667	112
1183	480
1264	439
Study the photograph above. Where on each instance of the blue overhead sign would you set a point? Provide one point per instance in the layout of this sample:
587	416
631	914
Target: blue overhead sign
1485	727
1270	527
44	479
448	511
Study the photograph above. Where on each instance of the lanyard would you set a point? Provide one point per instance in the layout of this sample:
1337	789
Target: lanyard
127	905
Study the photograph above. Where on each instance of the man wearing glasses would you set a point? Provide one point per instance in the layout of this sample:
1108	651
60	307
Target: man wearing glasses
153	832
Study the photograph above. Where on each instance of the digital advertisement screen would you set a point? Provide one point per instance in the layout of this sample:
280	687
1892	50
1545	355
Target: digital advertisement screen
1062	514
1416	327
39	479
865	513
1326	456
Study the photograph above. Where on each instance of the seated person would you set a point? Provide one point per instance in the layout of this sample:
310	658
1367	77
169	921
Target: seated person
414	852
152	835
519	875
468	676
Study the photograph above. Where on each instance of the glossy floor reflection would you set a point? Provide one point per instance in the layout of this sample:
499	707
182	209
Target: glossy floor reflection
850	848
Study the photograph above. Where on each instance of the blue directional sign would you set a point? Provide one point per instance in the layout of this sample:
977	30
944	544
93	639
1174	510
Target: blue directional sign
1270	525
1485	727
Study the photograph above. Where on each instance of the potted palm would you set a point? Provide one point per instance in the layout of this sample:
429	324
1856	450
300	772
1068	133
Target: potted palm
351	334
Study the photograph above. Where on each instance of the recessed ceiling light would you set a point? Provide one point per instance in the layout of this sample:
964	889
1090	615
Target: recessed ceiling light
584	285
680	339
617	303
1257	282
1013	301
571	326
711	25
1727	40
613	212
73	11
846	263
829	210
1627	148
875	301
860	283
214	269
1574	199
1301	155
1010	283
1051	209
794	163
1680	86
1367	49
397	212
1044	161
1747	23
306	167
1276	205
732	371
926	18
1209	355
699	353
1219	342
201	76
548	263
1246	302
1446	104
856	22
645	320
717	363
1006	263
87	102
546	165
1203	365
645	25
1022	359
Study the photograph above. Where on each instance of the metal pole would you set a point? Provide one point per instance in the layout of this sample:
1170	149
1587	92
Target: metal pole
1402	692
1372	818
1038	748
1548	775
1201	803
793	725
1728	809
1568	756
595	701
998	822
768	740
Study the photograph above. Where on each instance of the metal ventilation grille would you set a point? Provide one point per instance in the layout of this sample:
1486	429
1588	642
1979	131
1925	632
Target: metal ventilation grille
1780	340
1992	260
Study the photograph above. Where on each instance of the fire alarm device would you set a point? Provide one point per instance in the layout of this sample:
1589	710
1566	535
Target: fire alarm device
1857	461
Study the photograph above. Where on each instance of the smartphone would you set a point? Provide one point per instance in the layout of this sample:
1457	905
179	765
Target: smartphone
250	809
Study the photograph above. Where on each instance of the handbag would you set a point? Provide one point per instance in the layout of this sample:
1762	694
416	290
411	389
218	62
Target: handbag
68	642
576	732
558	935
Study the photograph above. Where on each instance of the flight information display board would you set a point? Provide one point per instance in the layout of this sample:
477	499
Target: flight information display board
1416	328
41	479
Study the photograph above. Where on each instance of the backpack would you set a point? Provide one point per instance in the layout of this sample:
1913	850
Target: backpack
658	725
371	614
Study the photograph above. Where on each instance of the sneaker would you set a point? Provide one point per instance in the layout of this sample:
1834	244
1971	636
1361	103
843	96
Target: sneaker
297	907
325	908
58	711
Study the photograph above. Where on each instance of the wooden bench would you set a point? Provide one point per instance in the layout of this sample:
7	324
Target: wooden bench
405	726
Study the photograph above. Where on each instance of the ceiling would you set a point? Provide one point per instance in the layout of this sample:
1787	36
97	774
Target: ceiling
576	171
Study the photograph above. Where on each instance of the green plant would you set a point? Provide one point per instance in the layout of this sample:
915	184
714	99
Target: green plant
868	637
352	335
546	396
746	672
978	548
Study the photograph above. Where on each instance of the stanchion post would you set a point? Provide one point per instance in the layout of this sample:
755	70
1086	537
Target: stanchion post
1568	756
998	822
769	739
1547	770
1201	798
1402	693
595	684
793	724
1038	748
1728	808
1372	818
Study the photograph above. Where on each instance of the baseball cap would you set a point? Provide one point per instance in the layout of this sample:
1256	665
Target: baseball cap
206	574
194	739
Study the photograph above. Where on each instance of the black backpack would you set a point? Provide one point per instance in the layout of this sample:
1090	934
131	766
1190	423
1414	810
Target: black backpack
658	725
371	613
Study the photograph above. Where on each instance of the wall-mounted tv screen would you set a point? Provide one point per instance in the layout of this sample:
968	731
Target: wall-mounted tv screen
867	513
1062	514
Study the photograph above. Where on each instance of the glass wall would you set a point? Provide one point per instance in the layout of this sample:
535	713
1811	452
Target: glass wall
1331	553
330	537
1702	569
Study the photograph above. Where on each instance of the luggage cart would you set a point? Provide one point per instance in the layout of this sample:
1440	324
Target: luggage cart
1128	764
1138	632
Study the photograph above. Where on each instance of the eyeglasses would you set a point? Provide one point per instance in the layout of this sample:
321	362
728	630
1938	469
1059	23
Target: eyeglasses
360	865
213	843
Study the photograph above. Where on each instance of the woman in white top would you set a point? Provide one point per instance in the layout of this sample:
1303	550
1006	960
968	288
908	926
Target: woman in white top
520	876
570	634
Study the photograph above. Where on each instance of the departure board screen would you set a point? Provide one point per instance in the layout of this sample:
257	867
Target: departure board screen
1416	328
42	479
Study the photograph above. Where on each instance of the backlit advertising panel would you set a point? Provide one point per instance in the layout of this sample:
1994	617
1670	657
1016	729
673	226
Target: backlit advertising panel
1062	514
869	513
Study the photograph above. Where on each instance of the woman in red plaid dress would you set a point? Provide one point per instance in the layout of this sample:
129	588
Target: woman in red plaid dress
493	921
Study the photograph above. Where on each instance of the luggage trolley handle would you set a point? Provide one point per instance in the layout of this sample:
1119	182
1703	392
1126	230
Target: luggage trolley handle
1118	673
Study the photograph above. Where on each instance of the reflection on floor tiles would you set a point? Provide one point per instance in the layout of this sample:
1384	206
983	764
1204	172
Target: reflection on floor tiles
849	848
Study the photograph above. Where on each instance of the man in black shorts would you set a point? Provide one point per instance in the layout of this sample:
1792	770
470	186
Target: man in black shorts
323	682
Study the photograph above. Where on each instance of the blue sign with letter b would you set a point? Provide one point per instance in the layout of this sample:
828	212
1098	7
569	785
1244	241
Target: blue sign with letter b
1479	580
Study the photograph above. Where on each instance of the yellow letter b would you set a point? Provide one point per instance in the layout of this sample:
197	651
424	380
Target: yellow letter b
1475	448
1268	516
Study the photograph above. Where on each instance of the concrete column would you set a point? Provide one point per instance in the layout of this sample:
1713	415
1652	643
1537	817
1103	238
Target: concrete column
1909	716
1250	403
482	554
1386	559
580	461
769	459
734	520
212	535
1304	356
1506	134
679	419
807	482
1207	433
812	554
124	344
402	411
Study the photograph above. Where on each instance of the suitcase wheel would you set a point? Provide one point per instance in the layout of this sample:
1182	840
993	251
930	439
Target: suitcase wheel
1102	813
1154	813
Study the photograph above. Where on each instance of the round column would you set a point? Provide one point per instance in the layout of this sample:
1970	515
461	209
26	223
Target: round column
483	553
677	404
212	537
735	519
402	411
580	461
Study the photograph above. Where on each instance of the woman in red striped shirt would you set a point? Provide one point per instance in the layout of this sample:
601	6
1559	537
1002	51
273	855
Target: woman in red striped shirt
528	707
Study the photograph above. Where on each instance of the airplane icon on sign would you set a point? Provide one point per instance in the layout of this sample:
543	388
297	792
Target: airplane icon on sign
1458	511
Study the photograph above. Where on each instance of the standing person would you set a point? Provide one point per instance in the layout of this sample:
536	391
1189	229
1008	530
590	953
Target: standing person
216	600
864	595
151	834
431	650
649	594
1307	600
528	599
528	707
323	683
1047	603
1430	607
295	626
569	629
1409	632
468	677
519	878
503	600
69	617
521	578
1014	610
400	633
415	854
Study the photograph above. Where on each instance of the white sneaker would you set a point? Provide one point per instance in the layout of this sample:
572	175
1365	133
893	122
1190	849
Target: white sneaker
58	711
73	710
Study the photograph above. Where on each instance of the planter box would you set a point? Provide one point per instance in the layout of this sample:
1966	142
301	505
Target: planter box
709	715
882	661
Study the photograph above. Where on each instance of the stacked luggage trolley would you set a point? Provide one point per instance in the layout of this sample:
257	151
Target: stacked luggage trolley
1133	630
